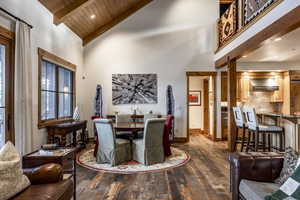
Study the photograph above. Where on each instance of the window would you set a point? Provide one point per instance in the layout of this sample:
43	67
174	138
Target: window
57	98
6	89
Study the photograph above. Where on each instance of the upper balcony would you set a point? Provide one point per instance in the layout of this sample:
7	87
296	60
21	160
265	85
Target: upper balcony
245	20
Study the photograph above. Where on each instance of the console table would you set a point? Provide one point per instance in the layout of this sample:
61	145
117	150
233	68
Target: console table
63	129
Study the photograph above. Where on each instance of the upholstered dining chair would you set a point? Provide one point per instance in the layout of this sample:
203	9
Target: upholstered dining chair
149	150
149	116
123	118
111	149
167	132
140	134
263	130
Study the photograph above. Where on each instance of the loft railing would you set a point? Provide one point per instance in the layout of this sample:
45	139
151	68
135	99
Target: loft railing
240	15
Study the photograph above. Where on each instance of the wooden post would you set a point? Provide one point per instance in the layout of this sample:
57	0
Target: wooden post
231	102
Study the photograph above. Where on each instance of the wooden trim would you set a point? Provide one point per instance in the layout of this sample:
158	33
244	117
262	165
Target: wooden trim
195	131
67	11
188	107
180	140
231	101
44	124
7	39
285	24
206	116
102	29
226	1
247	26
215	109
201	73
7	33
44	55
55	59
213	74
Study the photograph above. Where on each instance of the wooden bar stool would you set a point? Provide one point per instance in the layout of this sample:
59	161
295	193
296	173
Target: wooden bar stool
240	123
263	130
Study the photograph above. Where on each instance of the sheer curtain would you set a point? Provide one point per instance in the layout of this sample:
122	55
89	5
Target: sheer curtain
23	89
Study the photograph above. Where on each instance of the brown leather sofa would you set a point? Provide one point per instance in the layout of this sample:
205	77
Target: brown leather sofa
46	183
252	174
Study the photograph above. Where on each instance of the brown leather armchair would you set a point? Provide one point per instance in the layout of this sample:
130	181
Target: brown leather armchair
254	166
46	183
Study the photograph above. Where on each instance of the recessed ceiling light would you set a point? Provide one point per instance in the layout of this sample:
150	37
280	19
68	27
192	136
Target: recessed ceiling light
278	39
244	56
92	16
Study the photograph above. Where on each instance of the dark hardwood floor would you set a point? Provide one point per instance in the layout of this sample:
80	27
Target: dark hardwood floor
205	176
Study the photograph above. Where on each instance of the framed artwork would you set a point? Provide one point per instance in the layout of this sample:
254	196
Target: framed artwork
134	89
194	98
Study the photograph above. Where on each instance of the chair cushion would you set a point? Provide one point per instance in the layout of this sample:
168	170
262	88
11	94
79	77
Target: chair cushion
270	128
12	180
252	190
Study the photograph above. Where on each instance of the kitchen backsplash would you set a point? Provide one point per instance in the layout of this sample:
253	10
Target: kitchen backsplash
261	102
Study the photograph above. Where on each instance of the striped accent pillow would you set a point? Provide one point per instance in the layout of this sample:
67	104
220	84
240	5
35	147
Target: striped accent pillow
76	115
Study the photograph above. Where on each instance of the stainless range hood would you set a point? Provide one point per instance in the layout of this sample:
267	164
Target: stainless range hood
264	84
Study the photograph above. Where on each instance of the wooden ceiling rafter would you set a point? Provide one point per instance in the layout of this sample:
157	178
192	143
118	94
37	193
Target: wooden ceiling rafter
60	15
102	29
91	18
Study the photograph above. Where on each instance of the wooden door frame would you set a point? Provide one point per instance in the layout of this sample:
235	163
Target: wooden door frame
7	38
206	117
202	73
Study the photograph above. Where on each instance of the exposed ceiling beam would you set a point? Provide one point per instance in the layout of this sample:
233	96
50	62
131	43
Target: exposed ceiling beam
63	13
115	21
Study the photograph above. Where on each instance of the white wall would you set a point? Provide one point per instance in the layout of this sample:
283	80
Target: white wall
196	112
58	40
166	37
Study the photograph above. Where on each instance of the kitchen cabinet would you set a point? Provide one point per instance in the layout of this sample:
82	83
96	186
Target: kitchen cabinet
278	94
224	87
245	89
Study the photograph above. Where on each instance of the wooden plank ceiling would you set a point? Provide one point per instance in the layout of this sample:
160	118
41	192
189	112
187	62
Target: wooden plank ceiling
90	18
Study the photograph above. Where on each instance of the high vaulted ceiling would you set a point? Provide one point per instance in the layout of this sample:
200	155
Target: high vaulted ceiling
90	18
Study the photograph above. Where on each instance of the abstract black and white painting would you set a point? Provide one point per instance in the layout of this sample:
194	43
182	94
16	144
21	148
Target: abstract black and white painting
134	89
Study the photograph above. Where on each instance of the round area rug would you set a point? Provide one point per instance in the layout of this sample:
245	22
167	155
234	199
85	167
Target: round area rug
178	158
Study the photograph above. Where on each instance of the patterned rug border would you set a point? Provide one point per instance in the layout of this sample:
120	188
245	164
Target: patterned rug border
136	172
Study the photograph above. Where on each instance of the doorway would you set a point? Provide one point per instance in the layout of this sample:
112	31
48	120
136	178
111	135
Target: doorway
201	104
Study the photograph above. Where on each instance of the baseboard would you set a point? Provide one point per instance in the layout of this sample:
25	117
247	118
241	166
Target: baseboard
180	139
195	131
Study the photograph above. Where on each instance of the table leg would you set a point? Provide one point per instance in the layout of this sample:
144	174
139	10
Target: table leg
74	178
256	141
63	140
83	140
50	139
74	139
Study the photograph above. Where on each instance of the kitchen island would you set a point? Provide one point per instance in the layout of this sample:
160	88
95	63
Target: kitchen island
291	124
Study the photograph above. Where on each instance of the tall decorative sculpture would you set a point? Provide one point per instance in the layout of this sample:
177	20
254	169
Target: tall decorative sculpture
98	102
170	103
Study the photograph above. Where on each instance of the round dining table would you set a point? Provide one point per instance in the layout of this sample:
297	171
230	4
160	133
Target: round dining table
133	127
